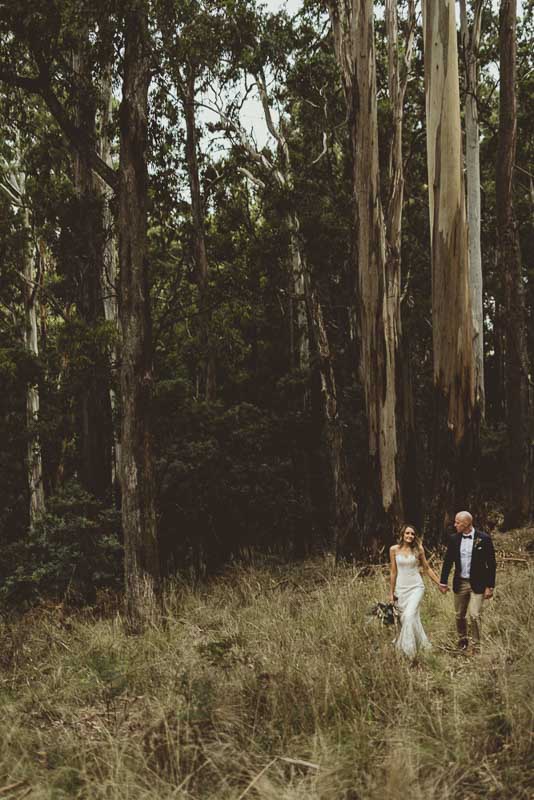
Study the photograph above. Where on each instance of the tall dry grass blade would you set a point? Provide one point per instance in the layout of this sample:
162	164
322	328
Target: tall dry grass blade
256	778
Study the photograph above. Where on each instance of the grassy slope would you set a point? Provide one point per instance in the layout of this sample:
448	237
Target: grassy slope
266	665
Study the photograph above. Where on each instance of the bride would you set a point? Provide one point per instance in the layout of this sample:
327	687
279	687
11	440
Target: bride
408	560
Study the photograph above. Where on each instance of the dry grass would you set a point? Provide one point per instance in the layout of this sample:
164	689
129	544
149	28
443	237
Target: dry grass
270	684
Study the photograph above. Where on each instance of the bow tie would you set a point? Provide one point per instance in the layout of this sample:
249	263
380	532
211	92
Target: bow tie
468	536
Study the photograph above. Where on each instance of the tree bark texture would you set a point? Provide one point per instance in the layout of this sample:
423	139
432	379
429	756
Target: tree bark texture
398	75
509	266
457	412
300	358
341	509
110	271
470	37
207	372
137	478
377	295
94	402
34	463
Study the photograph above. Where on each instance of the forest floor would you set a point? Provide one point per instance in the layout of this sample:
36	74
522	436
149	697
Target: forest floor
272	683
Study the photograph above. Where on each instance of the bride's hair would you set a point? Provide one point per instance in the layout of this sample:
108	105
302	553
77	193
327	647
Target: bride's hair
416	544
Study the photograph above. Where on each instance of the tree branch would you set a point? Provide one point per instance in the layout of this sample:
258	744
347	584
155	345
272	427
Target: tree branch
75	135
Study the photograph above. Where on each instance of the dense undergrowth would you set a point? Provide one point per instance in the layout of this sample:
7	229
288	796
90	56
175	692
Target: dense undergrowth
271	683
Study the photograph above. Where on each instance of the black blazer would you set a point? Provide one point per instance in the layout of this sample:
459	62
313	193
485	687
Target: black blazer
483	566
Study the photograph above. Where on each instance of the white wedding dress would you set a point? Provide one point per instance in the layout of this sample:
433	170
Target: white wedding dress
409	590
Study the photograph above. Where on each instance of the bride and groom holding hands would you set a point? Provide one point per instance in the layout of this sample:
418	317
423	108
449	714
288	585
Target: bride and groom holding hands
472	554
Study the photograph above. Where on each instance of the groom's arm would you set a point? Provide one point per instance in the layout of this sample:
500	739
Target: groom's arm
447	564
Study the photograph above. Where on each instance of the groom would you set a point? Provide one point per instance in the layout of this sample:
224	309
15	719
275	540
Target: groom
473	556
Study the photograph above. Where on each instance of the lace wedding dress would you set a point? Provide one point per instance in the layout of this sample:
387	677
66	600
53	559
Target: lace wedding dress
409	590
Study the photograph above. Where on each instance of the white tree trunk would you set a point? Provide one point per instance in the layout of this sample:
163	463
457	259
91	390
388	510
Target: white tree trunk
377	303
471	41
33	458
452	321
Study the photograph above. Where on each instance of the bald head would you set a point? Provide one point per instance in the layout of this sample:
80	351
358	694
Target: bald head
463	521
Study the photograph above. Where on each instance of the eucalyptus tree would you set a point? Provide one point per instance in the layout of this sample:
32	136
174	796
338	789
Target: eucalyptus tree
13	185
470	32
376	305
199	51
136	467
399	67
457	407
516	361
95	407
35	63
266	68
109	274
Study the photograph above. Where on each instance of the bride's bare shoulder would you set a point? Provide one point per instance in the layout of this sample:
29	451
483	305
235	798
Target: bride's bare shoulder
394	548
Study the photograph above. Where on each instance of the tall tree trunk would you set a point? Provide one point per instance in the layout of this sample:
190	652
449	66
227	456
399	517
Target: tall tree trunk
142	567
377	296
398	75
34	462
110	271
95	411
470	36
207	382
457	412
299	335
310	350
340	506
334	501
13	186
509	265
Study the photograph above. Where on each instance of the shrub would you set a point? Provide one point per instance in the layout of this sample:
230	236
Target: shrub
72	551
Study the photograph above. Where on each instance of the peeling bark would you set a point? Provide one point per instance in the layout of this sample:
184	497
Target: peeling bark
457	413
398	74
470	36
377	295
137	476
516	362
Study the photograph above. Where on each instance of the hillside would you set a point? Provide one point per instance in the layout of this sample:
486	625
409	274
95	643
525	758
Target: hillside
271	683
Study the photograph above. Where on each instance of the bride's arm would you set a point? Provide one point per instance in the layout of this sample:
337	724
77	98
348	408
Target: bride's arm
393	573
427	569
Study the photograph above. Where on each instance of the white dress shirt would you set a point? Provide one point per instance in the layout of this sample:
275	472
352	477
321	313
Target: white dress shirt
466	552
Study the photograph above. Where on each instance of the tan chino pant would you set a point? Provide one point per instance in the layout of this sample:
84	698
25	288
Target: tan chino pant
463	599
